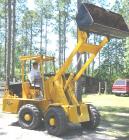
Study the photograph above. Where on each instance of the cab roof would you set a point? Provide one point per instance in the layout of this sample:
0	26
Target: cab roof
37	58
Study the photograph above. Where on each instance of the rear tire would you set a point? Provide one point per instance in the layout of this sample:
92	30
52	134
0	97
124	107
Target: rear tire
127	94
34	113
94	119
60	121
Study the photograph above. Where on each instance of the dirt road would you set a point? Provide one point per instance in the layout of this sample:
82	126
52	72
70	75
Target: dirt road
9	129
114	124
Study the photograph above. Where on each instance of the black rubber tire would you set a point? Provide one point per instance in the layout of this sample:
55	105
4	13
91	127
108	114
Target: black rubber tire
34	112
127	94
118	94
60	118
94	119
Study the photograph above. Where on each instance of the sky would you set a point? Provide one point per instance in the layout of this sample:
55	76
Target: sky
31	4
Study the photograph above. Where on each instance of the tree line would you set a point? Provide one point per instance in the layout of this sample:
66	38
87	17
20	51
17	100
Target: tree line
29	32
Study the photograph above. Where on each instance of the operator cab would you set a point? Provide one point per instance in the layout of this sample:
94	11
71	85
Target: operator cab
29	89
26	89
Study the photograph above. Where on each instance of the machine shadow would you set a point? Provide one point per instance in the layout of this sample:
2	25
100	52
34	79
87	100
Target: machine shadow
40	128
73	131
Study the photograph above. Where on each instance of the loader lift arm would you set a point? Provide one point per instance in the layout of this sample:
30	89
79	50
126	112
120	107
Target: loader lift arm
81	47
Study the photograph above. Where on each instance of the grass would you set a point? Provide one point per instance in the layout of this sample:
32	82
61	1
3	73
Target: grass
114	113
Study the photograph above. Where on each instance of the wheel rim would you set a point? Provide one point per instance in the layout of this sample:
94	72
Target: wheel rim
52	122
27	117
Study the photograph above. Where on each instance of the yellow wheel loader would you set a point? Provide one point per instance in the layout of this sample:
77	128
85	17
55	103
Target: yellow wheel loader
59	105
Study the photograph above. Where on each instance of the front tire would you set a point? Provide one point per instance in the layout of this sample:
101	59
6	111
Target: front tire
94	119
29	116
118	94
59	125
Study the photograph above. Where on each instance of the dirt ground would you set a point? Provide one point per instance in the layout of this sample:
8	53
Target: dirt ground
111	128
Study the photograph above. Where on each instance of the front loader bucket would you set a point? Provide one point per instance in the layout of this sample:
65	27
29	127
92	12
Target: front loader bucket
91	18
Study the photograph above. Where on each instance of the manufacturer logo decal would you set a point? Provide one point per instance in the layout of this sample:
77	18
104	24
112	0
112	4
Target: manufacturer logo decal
9	102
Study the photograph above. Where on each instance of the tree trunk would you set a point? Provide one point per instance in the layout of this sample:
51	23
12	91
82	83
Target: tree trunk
99	62
14	39
46	38
93	60
85	59
64	44
99	92
31	36
0	49
88	69
9	41
5	51
41	33
64	32
46	42
93	68
116	55
59	33
105	85
110	71
26	45
78	83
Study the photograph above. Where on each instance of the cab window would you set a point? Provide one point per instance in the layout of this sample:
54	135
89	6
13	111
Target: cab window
120	82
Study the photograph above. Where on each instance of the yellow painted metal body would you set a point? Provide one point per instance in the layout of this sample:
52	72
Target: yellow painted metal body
10	103
57	91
